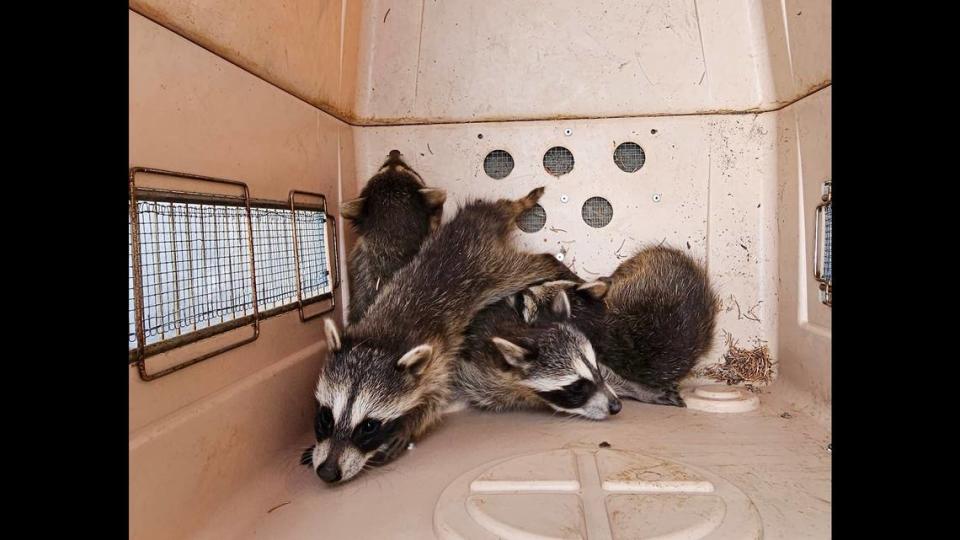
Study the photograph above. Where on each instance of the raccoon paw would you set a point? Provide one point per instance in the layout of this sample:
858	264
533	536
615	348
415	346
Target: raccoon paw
392	451
670	397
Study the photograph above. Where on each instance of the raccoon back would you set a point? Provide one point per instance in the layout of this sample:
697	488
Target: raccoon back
392	217
661	316
468	264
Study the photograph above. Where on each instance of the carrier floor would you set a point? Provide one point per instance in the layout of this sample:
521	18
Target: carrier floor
776	455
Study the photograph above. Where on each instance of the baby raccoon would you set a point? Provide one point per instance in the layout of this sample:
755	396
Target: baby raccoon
647	324
389	377
392	217
538	348
520	353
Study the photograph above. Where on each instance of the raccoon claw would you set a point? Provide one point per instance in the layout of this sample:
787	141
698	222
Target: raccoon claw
641	392
670	397
306	458
391	452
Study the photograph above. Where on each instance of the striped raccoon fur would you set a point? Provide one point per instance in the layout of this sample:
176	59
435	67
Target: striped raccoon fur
389	377
394	214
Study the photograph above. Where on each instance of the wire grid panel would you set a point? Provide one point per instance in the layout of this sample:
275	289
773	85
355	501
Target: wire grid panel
311	241
558	161
498	164
597	212
828	244
532	220
132	313
629	156
273	252
195	264
194	261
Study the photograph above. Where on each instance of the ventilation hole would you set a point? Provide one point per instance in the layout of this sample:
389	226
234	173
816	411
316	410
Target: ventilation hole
597	212
629	157
558	161
532	220
498	164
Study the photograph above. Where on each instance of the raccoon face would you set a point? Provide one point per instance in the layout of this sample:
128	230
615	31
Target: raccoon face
559	364
363	411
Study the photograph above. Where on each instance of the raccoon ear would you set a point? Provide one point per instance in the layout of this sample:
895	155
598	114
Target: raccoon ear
332	334
597	289
434	197
514	354
527	306
417	359
561	304
353	208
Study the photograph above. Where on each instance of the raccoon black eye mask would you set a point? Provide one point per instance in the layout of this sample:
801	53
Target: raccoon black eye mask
571	396
323	424
374	439
371	434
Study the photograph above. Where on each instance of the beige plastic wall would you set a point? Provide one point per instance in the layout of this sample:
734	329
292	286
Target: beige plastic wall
377	62
242	90
805	324
727	193
295	44
461	60
195	434
656	73
710	173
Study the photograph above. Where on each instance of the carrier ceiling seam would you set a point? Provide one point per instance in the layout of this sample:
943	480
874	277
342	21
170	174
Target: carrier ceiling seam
338	115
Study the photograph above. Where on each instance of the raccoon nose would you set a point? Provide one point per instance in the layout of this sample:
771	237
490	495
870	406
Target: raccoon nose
615	406
329	472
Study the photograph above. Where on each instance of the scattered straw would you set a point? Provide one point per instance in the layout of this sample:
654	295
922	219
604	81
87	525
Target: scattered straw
278	506
742	365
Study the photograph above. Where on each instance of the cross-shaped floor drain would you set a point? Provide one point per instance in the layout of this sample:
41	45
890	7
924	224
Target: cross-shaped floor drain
577	473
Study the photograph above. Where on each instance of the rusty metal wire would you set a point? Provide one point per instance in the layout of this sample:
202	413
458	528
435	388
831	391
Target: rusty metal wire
194	262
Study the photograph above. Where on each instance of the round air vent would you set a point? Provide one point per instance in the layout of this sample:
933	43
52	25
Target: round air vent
532	220
498	164
558	161
597	212
629	156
